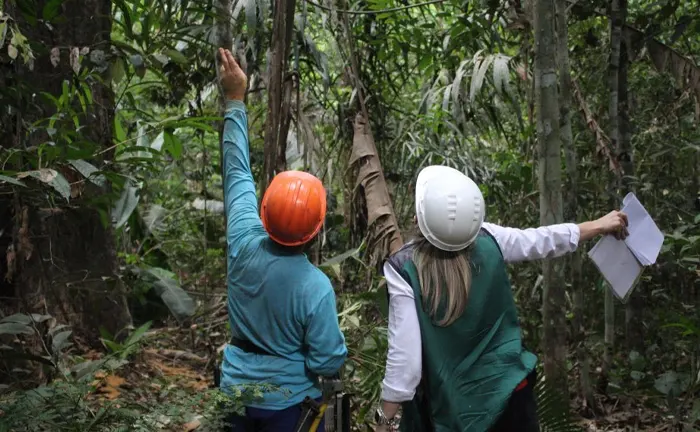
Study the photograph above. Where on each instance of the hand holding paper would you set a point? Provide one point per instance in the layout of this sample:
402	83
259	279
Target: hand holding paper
621	262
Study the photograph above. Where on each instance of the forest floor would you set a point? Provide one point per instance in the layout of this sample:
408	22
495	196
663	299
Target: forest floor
172	364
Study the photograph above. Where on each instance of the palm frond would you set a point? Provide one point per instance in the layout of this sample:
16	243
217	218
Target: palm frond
553	409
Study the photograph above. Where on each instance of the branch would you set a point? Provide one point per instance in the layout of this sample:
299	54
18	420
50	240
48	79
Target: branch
373	12
602	140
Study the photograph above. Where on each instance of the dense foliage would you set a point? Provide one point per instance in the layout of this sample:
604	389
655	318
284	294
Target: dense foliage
442	82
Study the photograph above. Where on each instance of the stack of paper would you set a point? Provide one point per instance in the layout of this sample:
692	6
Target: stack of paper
621	261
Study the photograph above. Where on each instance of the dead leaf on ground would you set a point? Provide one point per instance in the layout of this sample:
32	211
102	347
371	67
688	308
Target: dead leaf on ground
190	426
110	386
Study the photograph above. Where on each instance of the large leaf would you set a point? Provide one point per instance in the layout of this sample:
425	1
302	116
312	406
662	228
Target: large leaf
14	328
126	204
60	341
341	257
88	171
154	219
501	74
553	410
25	319
334	263
168	288
52	178
11	180
480	68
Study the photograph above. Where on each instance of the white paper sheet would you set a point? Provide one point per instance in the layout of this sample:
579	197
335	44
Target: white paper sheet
618	265
645	239
622	262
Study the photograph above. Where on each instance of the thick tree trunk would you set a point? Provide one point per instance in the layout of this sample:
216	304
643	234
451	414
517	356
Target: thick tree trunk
571	205
278	92
64	257
549	145
613	76
633	308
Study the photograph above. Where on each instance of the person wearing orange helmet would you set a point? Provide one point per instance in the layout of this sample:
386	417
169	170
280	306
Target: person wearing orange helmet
282	308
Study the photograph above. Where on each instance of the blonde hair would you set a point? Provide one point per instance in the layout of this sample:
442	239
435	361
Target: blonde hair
445	279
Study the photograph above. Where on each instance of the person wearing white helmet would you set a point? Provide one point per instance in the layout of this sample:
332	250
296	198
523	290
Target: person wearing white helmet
456	360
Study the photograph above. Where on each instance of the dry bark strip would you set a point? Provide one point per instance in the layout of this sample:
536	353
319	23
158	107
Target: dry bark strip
384	234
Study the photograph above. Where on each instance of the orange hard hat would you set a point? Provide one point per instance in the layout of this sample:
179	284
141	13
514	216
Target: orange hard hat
293	208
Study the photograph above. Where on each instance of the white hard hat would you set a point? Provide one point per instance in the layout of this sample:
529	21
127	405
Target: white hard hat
449	207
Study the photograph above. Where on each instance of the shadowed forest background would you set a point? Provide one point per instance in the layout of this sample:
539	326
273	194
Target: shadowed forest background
113	292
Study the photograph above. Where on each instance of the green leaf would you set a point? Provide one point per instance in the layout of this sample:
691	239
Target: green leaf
175	298
60	341
334	263
51	9
501	74
11	181
126	204
177	56
25	319
172	144
87	170
119	134
3	32
670	382
154	219
117	71
342	257
251	15
138	334
13	328
52	178
478	74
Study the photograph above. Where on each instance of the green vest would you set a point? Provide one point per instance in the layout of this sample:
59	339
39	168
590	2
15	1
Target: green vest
472	366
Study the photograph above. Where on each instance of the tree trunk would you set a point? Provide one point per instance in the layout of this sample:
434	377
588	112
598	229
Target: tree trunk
633	308
64	257
571	206
613	68
549	146
278	92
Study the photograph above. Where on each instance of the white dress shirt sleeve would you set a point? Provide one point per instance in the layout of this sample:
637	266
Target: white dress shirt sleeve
535	243
404	361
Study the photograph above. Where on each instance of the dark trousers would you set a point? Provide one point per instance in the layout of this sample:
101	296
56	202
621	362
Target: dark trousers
262	420
521	413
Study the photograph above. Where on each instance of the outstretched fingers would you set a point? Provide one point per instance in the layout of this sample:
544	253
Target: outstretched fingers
224	60
232	62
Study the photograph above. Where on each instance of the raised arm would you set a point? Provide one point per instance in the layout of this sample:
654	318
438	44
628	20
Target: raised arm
239	186
553	240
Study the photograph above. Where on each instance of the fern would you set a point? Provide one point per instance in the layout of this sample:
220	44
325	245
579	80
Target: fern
553	409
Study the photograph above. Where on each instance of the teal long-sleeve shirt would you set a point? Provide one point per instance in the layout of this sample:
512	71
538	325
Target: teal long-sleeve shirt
277	300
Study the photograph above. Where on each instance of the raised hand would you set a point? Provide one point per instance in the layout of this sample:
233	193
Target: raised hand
233	80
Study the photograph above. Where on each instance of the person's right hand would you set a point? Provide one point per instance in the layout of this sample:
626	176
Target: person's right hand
614	223
232	78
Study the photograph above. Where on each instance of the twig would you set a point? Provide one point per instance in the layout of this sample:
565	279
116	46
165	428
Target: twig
602	140
373	12
177	354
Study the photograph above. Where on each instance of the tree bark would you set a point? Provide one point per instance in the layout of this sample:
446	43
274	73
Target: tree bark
633	308
613	76
549	146
65	257
278	93
574	261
